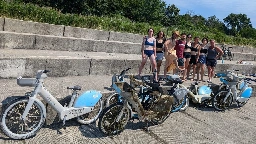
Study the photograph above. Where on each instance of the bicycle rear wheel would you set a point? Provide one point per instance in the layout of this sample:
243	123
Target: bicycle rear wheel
91	116
219	103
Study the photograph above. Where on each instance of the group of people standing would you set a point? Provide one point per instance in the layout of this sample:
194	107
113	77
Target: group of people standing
180	53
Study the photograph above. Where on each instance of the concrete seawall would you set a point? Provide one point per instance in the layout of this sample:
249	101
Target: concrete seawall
20	26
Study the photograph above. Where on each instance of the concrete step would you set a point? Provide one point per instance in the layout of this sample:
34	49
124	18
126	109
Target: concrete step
15	62
20	26
240	49
13	40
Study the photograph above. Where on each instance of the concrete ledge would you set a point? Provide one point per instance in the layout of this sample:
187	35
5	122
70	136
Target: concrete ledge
9	40
61	66
92	34
12	40
125	37
12	67
20	26
1	24
243	56
241	49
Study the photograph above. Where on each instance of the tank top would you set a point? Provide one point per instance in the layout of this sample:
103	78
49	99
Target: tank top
203	50
160	45
212	53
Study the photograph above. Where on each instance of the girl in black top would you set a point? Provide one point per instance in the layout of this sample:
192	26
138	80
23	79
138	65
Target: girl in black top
193	60
201	60
160	40
187	54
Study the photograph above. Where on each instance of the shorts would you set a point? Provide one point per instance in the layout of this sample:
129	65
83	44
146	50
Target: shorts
211	62
193	59
159	56
202	59
148	52
180	62
187	55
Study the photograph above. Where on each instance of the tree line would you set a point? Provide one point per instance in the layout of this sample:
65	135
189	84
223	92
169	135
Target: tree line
155	12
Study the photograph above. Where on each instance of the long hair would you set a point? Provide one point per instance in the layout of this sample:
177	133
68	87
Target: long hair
158	34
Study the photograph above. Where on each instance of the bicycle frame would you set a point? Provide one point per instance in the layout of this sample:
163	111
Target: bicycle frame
65	113
237	94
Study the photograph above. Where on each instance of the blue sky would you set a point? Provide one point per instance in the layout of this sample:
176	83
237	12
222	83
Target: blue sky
219	8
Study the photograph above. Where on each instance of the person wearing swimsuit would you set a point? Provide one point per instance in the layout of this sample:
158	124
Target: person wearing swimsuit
160	40
202	51
213	54
179	47
171	62
187	54
148	50
193	60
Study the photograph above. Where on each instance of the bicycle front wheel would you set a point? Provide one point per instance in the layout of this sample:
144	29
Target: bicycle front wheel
13	125
108	123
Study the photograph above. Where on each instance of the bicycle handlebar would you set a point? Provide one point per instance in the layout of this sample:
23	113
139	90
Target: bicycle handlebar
123	72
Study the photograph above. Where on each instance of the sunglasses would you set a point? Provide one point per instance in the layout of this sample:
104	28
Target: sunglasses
189	37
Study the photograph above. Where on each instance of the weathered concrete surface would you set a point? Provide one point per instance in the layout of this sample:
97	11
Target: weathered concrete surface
195	125
243	56
91	34
241	49
65	63
20	26
125	37
11	40
1	23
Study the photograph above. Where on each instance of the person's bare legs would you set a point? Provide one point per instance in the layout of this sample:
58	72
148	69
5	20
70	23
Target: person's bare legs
143	62
194	72
188	70
186	63
202	72
159	63
212	72
209	72
197	70
153	62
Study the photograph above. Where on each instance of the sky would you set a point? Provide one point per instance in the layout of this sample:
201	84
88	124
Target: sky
219	8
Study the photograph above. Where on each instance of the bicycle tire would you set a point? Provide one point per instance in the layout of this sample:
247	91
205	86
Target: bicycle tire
110	114
14	108
84	119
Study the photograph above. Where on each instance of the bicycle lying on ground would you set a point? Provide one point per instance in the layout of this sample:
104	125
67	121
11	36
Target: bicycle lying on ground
23	117
146	88
234	89
150	106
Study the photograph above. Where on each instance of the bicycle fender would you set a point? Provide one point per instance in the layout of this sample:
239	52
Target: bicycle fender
88	99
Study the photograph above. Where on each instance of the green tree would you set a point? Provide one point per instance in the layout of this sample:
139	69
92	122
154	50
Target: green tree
215	23
236	22
171	15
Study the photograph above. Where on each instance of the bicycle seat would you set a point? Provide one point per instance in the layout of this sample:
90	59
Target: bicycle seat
77	87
